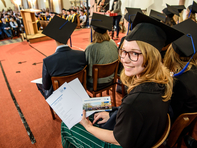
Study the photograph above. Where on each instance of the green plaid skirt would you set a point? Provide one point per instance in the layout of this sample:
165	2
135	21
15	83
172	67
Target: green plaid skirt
78	137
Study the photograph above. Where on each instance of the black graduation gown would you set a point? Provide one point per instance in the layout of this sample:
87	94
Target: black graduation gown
142	116
184	97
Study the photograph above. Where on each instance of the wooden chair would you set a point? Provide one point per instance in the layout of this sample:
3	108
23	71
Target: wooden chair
183	121
78	22
122	86
58	81
165	134
102	71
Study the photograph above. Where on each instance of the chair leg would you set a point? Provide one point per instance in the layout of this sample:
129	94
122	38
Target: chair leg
123	90
52	113
94	94
100	94
107	92
114	94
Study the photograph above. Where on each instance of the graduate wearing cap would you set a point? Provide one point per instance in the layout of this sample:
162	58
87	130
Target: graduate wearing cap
102	50
170	11
47	16
64	13
64	61
69	16
181	59
37	22
74	16
39	17
191	11
128	20
141	118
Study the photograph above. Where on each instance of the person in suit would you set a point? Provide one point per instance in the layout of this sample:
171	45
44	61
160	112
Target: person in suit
6	28
14	26
64	61
20	23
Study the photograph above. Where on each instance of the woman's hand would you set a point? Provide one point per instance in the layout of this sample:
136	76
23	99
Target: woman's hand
84	121
102	115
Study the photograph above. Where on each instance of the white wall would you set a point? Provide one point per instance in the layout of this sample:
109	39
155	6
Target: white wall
42	4
8	4
66	4
56	6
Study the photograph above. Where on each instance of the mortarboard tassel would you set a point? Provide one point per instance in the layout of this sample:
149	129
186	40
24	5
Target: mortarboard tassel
190	13
182	71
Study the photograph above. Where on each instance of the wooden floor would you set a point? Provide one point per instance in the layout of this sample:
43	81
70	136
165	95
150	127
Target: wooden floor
38	37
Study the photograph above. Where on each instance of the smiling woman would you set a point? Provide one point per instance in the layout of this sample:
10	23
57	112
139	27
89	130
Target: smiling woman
141	119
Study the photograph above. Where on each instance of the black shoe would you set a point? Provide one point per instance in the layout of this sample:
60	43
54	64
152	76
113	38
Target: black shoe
190	142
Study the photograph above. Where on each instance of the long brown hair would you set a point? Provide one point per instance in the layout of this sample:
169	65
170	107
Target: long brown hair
99	37
154	71
175	63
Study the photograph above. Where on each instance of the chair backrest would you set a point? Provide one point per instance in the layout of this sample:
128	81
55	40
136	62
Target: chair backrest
58	81
180	123
165	134
104	70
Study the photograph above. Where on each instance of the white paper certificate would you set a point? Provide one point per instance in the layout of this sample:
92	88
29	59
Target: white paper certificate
67	104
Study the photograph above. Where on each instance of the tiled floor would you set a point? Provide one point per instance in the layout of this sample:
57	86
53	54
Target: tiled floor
10	41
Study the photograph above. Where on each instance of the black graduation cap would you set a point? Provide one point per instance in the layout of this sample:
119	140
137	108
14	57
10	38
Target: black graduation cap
132	13
179	7
59	29
101	23
170	11
157	15
193	7
183	46
151	31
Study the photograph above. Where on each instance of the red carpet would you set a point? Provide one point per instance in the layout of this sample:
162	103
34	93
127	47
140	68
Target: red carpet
34	108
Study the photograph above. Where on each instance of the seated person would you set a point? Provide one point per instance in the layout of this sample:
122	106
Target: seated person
102	50
64	13
82	18
47	16
191	12
141	118
170	11
6	28
69	16
37	22
7	18
74	15
19	21
184	97
14	26
64	61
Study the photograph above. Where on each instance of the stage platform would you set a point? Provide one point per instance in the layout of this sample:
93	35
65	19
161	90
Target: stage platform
38	37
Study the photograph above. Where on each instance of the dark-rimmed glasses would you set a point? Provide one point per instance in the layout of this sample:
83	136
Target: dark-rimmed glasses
133	56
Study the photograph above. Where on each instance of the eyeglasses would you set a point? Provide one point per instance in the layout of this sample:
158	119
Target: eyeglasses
133	56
